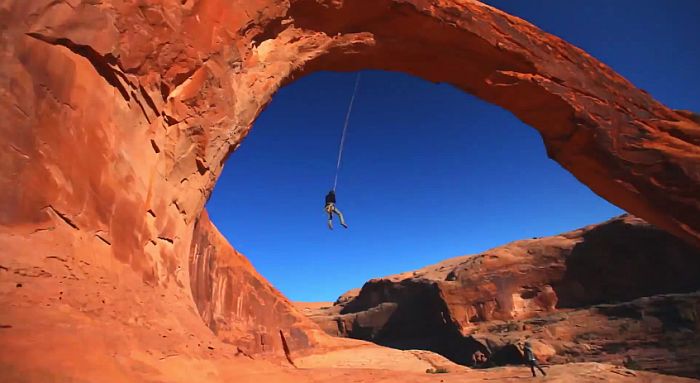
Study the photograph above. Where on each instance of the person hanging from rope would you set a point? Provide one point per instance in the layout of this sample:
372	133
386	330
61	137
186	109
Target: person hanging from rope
330	197
330	209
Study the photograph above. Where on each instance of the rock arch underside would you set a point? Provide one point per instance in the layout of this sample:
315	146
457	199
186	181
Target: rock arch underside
117	117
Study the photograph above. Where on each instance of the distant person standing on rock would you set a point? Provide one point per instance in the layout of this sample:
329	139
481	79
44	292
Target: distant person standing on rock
531	360
330	209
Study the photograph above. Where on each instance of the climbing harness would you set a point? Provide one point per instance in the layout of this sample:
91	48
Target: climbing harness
345	129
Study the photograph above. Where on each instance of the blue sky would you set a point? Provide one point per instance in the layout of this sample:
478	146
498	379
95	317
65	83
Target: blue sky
430	172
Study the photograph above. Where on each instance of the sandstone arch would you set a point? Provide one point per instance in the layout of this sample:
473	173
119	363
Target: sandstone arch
118	116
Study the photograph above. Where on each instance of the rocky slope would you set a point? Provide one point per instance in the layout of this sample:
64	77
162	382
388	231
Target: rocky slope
561	291
118	115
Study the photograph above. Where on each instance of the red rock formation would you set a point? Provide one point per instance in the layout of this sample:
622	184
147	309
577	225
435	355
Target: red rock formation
238	304
117	117
456	306
659	333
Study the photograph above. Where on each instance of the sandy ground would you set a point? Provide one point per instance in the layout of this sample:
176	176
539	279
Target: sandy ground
583	372
375	364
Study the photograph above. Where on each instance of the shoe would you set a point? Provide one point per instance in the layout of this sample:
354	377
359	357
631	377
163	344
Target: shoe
344	225
330	225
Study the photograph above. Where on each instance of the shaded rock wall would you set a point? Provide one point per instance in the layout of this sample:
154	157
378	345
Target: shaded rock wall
623	260
117	117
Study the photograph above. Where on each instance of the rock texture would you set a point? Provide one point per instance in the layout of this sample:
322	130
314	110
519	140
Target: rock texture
542	289
117	117
659	333
238	304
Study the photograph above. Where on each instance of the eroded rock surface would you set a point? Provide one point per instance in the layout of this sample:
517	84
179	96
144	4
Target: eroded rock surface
117	117
238	304
658	333
542	289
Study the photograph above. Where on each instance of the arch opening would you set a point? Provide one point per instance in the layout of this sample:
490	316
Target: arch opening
428	170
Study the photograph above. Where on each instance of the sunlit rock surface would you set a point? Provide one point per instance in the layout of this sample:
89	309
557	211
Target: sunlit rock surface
238	304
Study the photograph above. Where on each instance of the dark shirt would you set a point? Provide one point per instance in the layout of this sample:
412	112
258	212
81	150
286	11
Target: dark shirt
330	198
529	355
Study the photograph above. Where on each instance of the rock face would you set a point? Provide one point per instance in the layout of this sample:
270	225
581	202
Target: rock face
544	289
658	333
238	304
117	117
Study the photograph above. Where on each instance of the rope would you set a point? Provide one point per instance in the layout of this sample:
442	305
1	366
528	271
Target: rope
345	129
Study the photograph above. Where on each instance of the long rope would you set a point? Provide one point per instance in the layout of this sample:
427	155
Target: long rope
345	129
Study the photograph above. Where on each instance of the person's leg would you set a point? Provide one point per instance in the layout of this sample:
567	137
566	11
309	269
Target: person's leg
328	209
532	368
340	216
539	368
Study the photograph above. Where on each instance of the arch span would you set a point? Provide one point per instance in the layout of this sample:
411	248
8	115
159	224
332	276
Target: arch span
613	137
117	117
